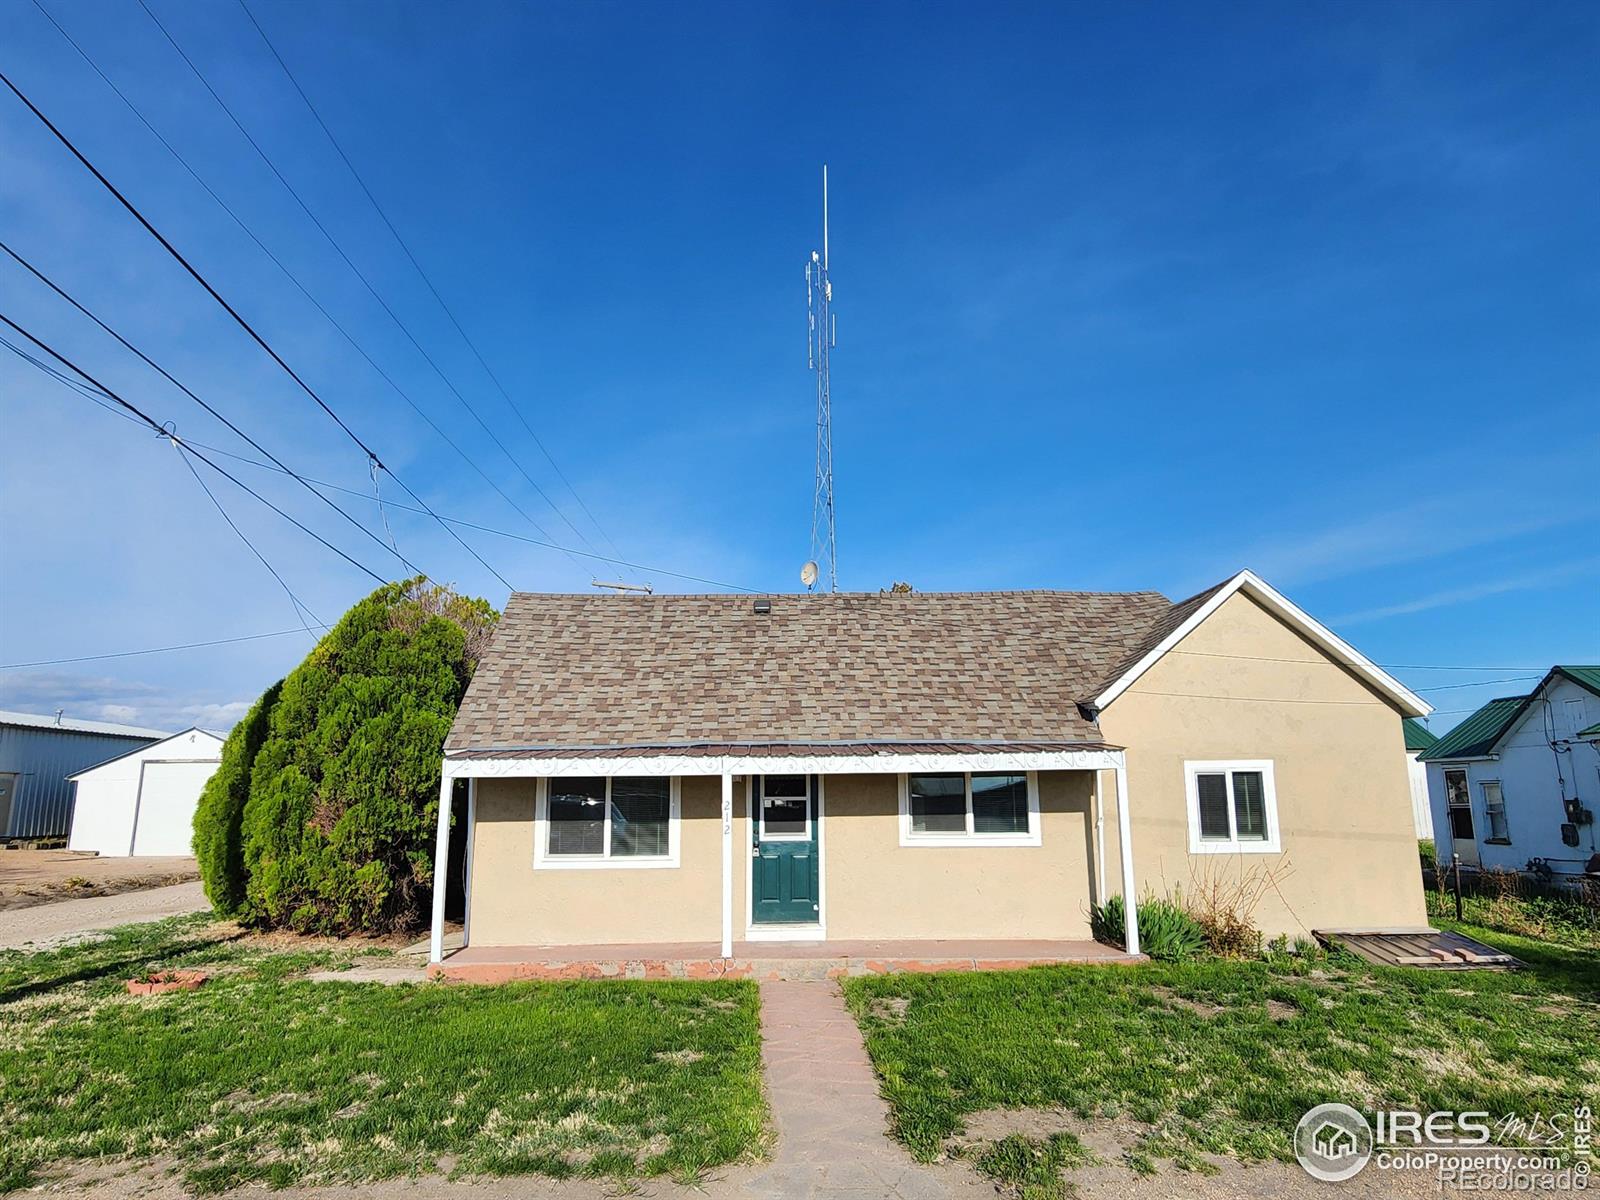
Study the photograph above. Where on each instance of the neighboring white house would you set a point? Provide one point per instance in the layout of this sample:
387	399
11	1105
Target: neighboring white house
1418	739
1519	779
143	802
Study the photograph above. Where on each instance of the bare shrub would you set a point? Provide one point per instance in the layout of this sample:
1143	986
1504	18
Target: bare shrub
1223	898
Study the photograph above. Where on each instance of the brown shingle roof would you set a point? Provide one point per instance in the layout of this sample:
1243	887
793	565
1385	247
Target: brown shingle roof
577	670
1175	616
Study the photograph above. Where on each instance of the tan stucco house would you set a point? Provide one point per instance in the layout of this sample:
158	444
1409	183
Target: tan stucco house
709	774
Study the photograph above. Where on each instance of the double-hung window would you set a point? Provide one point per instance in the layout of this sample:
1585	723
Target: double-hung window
970	808
1233	807
1494	809
607	821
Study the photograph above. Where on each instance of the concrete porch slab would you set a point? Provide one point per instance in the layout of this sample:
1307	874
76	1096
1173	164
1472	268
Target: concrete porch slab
766	961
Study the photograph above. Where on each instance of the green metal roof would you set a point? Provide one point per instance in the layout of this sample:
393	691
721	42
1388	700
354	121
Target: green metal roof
1418	735
1476	735
1592	732
1589	677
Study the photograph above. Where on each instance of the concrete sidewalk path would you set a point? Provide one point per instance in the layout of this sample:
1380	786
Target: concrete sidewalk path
833	1127
47	925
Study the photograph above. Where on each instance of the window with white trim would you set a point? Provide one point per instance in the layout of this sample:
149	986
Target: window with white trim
785	808
1233	807
1494	809
977	808
614	821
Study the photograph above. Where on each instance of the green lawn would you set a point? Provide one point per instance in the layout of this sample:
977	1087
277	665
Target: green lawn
262	1075
1220	1057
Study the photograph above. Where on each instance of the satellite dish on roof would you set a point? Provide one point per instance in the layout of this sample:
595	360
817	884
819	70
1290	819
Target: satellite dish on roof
808	575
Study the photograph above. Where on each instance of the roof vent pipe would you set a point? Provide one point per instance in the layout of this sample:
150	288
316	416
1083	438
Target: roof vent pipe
59	711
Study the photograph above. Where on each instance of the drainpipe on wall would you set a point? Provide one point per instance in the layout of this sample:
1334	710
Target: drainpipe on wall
1099	842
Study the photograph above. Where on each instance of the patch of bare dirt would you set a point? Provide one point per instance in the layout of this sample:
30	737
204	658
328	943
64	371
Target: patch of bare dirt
33	877
287	939
162	1180
1107	1138
1194	1006
891	1010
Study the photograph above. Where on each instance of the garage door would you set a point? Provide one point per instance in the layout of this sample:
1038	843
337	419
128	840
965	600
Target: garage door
168	792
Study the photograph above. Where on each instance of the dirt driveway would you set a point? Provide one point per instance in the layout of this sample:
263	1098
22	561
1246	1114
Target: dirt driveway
30	877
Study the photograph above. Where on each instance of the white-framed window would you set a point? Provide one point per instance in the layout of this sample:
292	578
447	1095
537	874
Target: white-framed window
1233	807
1494	811
608	822
784	808
970	808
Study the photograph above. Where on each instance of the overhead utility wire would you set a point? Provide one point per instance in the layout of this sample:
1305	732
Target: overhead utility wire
292	277
82	658
66	380
1385	666
243	324
90	394
359	274
168	376
301	609
505	533
448	312
360	495
162	431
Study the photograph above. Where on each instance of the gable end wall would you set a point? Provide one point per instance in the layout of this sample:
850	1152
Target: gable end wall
1349	857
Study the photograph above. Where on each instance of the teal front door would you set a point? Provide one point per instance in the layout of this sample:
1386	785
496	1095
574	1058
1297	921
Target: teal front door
784	875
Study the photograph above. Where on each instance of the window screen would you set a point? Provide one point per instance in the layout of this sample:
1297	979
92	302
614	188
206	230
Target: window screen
640	809
577	816
1249	807
1494	807
1213	793
938	803
999	803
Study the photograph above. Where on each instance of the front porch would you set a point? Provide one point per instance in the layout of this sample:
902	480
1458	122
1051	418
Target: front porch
809	861
765	961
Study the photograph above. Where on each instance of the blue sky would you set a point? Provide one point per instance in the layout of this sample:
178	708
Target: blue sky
1129	296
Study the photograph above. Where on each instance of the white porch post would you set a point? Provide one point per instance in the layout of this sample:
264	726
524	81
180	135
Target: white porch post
727	864
466	878
441	868
1130	901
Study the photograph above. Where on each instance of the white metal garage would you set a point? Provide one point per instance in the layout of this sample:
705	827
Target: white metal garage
143	802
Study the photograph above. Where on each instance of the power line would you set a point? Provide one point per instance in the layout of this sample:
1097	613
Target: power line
448	312
1385	666
505	533
301	609
323	483
293	278
243	324
359	274
163	431
168	376
1445	687
82	658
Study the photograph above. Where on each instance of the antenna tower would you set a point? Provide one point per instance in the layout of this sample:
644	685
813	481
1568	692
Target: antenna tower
822	339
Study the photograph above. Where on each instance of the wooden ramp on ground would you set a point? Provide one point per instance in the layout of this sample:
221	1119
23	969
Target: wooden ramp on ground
1419	948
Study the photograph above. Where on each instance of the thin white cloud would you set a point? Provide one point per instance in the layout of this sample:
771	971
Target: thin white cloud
1477	591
